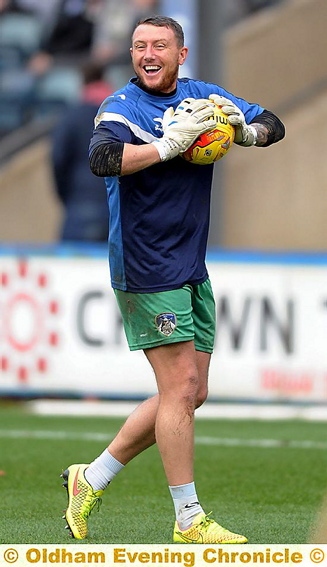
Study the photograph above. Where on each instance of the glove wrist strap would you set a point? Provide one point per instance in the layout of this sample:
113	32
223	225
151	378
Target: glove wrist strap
251	137
166	148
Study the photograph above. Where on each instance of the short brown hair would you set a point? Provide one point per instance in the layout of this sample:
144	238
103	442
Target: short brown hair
164	22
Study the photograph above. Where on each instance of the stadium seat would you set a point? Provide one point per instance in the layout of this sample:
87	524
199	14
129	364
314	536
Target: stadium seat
63	83
14	113
16	95
55	90
21	31
10	58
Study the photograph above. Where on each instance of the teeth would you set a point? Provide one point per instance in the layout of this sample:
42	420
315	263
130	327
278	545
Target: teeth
152	68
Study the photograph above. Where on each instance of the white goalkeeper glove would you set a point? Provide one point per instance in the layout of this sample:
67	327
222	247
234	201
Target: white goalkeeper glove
245	134
181	127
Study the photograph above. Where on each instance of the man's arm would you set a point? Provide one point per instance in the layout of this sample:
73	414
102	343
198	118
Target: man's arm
116	158
136	158
181	127
265	129
269	127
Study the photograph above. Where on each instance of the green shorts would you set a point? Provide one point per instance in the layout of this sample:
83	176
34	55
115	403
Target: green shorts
156	319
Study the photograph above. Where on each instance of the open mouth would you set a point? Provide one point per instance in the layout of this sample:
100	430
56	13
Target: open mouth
152	69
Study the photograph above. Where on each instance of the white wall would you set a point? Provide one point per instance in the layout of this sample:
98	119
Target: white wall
61	333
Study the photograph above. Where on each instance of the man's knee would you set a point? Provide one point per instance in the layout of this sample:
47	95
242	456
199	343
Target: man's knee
187	391
201	396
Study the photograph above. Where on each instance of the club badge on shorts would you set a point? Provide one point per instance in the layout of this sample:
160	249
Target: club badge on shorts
166	323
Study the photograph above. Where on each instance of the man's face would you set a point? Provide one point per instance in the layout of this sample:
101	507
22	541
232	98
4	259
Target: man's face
156	57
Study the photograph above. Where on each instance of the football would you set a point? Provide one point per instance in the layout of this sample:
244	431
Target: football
214	144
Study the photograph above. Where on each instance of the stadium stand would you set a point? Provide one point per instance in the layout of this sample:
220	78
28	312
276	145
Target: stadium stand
290	213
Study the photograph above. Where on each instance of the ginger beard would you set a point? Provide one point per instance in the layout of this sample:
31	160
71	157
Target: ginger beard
166	81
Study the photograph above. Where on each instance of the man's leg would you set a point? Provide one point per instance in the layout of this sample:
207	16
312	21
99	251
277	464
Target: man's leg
181	375
138	431
85	483
173	424
177	376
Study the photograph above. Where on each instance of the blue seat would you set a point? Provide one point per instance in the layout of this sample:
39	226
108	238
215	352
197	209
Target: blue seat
55	90
17	82
22	31
10	57
14	113
16	95
60	83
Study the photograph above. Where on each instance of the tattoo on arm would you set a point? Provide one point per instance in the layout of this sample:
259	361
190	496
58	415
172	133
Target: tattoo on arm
269	127
262	134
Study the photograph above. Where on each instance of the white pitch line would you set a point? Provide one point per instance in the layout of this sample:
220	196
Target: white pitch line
54	435
199	440
263	443
208	411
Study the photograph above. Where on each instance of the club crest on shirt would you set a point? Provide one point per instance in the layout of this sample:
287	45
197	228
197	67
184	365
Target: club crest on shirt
166	323
158	125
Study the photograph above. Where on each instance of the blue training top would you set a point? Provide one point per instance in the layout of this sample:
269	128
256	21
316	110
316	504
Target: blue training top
158	217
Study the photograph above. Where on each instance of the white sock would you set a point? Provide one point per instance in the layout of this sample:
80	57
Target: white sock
186	504
102	470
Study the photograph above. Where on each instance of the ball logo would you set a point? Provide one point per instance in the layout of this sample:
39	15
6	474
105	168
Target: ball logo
221	119
28	321
213	145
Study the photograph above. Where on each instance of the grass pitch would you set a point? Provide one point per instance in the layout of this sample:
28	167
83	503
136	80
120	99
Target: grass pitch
266	479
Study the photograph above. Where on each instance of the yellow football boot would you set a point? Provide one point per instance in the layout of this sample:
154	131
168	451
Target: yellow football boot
206	530
81	500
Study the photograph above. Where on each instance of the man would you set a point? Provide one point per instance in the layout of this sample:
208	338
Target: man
159	216
83	196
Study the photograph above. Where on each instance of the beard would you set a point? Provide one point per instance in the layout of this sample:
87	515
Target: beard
165	85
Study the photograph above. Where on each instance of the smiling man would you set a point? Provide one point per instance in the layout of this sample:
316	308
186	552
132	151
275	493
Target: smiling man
159	208
157	54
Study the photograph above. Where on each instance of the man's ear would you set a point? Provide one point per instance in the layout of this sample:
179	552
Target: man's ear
183	55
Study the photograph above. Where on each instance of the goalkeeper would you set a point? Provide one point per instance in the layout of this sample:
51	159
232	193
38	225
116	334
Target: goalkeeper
159	208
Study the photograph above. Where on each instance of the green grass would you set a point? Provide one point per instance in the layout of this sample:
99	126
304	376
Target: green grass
270	493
